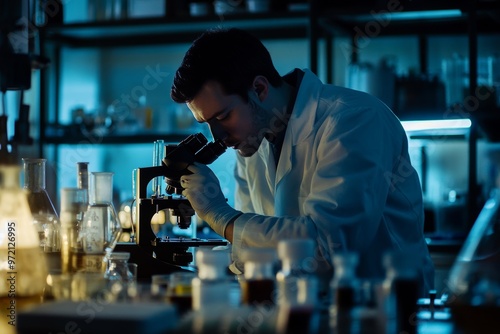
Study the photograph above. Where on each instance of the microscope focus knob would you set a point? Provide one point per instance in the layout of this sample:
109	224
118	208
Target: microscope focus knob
182	258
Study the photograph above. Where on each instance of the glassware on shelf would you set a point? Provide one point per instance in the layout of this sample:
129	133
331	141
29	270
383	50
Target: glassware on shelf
45	216
474	281
455	75
23	268
101	228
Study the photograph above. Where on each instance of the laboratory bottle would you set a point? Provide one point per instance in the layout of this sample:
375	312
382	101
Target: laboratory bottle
401	291
258	282
74	204
118	275
23	268
101	228
211	292
297	260
345	283
211	288
180	292
345	288
45	216
297	285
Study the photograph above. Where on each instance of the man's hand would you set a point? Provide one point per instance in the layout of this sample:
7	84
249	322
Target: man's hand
202	189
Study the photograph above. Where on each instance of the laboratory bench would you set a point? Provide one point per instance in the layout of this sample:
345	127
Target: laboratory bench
145	315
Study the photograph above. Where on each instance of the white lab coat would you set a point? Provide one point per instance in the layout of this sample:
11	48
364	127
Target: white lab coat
344	178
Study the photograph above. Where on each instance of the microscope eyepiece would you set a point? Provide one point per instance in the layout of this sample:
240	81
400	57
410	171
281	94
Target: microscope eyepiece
194	148
194	143
210	152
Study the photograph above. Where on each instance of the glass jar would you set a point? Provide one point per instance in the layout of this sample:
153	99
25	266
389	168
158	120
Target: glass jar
118	275
401	292
211	287
297	286
258	283
179	291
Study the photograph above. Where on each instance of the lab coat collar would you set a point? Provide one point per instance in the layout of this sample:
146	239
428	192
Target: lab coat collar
301	123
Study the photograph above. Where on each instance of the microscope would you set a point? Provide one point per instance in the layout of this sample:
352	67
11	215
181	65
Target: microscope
164	255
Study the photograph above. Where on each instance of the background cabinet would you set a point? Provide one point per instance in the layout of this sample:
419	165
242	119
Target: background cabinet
431	24
472	29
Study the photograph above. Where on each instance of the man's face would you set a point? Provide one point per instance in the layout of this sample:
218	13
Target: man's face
240	125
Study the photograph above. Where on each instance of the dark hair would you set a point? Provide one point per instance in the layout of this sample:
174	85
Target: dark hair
232	57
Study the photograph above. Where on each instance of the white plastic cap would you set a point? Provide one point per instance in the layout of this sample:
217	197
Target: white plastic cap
296	249
350	259
212	264
212	257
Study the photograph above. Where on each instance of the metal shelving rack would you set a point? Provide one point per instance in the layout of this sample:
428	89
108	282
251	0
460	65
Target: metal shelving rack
142	32
330	19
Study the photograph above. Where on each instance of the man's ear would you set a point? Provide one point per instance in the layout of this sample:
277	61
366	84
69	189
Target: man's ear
261	87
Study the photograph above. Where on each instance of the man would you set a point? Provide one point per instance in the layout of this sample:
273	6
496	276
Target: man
314	161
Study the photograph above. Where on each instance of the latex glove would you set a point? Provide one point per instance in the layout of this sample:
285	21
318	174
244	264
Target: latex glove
202	189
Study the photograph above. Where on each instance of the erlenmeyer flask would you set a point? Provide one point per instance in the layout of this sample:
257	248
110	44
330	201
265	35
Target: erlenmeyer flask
101	228
44	214
23	267
474	280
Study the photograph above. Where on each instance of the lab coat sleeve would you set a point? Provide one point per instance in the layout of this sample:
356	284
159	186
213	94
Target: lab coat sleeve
344	206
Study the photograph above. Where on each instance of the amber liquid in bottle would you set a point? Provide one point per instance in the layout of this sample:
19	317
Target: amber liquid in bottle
256	291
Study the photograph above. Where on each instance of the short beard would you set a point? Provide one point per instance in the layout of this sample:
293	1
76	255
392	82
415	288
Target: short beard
260	130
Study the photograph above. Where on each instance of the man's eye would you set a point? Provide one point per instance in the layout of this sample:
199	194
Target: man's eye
223	116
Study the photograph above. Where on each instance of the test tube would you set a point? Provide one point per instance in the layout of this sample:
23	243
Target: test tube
157	158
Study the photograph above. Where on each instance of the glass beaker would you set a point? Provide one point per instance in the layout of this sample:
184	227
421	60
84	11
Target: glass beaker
101	228
474	281
74	204
45	217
